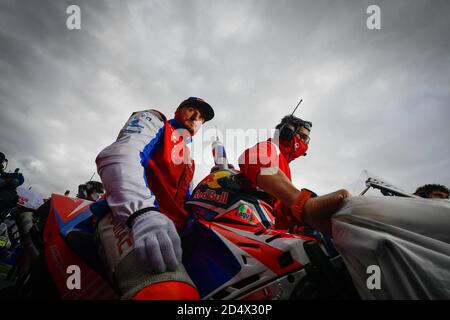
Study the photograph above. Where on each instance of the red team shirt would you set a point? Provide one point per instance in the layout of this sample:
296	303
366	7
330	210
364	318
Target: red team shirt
256	160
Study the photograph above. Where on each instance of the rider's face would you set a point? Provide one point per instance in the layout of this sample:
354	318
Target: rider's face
303	134
191	117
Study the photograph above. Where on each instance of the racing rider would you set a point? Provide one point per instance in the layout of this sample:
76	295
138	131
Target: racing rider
147	173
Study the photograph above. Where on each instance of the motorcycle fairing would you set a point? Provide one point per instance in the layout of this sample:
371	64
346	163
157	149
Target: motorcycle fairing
207	259
71	213
210	199
65	214
263	257
235	223
229	258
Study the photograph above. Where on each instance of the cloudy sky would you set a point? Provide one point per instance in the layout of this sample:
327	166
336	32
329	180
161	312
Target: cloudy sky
378	99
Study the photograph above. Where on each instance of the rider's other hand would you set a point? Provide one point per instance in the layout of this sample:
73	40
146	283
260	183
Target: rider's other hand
156	241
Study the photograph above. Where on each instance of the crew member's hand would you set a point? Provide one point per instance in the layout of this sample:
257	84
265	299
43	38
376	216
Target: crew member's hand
156	241
316	212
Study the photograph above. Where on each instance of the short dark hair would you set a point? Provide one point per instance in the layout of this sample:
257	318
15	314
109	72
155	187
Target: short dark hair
426	190
294	121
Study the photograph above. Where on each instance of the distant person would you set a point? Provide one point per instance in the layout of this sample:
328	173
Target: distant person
12	180
67	193
8	185
2	160
9	180
432	191
17	178
91	190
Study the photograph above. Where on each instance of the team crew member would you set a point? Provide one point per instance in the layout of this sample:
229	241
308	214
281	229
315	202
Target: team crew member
267	166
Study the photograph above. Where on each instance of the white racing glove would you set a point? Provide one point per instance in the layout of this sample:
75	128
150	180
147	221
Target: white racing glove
156	241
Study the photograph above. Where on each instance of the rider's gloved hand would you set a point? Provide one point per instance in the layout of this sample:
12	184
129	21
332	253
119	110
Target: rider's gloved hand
156	241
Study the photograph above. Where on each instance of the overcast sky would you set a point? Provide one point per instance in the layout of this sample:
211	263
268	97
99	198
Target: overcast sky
378	99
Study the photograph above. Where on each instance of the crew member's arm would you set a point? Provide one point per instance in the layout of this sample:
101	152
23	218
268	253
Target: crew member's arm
278	185
261	166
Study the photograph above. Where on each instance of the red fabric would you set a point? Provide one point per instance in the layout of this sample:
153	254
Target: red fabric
262	155
265	155
169	290
169	174
293	149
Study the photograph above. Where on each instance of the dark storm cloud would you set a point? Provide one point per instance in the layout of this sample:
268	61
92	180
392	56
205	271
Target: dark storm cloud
378	99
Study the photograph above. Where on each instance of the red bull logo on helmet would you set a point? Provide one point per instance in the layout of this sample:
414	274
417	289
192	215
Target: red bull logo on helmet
211	195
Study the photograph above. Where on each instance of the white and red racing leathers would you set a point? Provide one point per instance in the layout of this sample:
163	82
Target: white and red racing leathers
148	166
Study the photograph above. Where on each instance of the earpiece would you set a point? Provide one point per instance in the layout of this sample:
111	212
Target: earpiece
286	132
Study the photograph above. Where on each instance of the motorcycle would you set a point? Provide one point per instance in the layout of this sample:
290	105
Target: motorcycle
230	249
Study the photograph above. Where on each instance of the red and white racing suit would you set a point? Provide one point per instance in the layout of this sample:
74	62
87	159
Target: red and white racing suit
147	166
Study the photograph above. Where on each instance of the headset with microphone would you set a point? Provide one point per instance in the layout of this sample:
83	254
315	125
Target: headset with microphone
290	125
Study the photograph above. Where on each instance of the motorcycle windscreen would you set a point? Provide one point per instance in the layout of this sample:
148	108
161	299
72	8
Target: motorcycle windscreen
395	248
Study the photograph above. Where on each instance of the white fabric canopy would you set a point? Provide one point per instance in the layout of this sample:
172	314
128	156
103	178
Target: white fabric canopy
408	238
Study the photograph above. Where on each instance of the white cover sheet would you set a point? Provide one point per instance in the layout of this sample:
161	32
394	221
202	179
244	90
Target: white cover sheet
408	238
